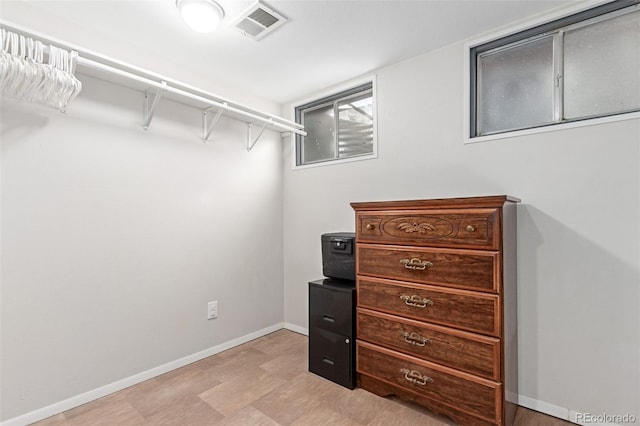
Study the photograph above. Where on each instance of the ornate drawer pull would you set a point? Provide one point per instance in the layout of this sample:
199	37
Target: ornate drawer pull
471	228
414	376
416	264
370	226
415	339
416	301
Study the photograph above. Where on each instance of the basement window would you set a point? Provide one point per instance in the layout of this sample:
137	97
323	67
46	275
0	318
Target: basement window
340	127
577	68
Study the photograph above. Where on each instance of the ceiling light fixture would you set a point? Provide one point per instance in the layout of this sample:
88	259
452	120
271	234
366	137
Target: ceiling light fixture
201	15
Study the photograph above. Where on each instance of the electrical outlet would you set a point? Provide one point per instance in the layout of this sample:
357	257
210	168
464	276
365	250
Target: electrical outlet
212	310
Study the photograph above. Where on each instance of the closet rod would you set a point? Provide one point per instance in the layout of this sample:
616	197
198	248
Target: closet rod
165	87
96	61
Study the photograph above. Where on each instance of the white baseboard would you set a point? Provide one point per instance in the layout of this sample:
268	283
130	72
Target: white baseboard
543	407
573	416
296	328
67	404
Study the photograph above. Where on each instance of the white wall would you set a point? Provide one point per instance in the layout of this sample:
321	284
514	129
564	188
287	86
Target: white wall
578	224
114	239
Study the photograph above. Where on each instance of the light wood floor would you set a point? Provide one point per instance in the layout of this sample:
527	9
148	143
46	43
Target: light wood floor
262	383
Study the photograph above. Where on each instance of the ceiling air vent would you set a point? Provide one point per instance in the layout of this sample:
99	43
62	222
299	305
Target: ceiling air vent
258	21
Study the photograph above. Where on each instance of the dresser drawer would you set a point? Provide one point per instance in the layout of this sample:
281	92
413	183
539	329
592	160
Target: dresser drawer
475	270
466	392
469	352
472	311
474	228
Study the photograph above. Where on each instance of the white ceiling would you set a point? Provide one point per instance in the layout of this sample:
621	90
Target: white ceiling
324	43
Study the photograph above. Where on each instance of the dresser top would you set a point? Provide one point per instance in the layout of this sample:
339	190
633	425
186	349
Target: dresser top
451	203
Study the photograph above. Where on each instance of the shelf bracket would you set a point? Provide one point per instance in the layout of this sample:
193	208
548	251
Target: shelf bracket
207	128
148	110
251	143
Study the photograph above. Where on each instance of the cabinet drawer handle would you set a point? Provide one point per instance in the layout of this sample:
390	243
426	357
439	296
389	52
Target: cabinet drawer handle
416	301
327	318
327	360
415	339
471	228
370	226
414	376
416	264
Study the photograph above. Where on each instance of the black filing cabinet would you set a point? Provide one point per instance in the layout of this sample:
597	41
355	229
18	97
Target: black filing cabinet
332	330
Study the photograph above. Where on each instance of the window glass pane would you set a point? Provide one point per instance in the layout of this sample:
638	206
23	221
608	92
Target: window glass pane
319	144
515	86
355	126
602	62
338	126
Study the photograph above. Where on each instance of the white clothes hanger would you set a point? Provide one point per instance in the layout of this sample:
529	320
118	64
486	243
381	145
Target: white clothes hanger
25	76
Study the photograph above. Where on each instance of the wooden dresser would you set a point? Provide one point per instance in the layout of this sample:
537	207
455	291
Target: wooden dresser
436	305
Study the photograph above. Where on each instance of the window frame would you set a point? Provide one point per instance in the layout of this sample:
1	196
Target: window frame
327	97
567	19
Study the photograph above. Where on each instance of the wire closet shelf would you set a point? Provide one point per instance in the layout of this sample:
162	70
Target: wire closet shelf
155	87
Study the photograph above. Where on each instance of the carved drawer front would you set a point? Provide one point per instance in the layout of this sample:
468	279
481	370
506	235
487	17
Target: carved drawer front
469	352
475	270
474	395
476	228
476	312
